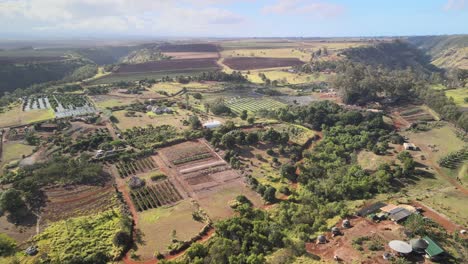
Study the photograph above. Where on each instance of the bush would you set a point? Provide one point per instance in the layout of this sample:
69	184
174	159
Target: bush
158	177
7	245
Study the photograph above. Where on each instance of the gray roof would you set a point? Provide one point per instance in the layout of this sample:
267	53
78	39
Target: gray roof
400	246
418	243
400	214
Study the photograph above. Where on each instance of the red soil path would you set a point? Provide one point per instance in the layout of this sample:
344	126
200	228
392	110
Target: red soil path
438	218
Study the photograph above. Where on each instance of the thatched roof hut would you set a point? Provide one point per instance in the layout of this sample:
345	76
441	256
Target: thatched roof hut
346	223
321	239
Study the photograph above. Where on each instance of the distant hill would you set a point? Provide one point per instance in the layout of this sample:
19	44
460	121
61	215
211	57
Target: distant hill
446	51
147	54
393	55
106	55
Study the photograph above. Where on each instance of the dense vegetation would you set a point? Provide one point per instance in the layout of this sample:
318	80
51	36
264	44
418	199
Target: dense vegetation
89	239
13	76
390	82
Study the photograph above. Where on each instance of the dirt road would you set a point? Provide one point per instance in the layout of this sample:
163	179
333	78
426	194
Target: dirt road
441	219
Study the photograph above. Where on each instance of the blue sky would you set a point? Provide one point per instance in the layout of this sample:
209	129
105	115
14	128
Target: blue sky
231	18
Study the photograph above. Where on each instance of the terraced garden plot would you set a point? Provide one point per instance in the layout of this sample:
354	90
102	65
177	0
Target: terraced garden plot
133	167
154	196
187	152
253	104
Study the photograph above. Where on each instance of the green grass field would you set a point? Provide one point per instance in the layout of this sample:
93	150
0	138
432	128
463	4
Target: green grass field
158	224
268	53
253	104
458	96
127	77
297	134
16	117
142	119
105	101
13	151
281	76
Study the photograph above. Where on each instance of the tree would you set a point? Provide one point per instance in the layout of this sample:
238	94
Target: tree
122	239
251	120
251	138
195	122
270	194
243	115
11	201
228	140
197	96
288	171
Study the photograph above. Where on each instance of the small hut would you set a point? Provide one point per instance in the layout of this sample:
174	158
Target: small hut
346	223
335	231
321	239
419	245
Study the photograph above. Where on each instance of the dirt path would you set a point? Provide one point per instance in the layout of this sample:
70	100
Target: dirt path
111	130
441	219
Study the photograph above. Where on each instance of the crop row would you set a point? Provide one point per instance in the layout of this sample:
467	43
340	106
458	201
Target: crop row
453	159
127	168
253	105
153	196
192	158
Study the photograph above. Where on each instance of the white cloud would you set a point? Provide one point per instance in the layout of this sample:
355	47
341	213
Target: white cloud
304	7
454	5
137	16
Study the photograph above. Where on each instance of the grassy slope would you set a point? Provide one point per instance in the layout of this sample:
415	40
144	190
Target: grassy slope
15	116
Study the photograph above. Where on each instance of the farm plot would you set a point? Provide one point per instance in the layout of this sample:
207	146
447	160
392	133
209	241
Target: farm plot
63	105
149	136
252	105
154	196
168	65
252	63
133	167
269	53
14	151
79	200
15	116
187	152
192	55
459	96
201	47
412	114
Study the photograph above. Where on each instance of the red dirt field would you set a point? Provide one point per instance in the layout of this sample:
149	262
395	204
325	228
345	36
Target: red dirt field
167	65
251	63
192	55
342	247
21	60
63	202
189	48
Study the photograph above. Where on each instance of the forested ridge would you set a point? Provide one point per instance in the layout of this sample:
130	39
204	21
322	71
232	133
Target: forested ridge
370	76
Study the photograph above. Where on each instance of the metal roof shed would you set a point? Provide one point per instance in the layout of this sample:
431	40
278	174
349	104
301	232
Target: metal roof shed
433	249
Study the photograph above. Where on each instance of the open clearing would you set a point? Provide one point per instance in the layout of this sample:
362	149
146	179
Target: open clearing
16	116
144	119
342	246
458	96
371	161
109	101
14	151
251	63
157	226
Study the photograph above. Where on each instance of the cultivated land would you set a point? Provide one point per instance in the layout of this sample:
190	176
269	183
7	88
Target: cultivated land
251	63
175	183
